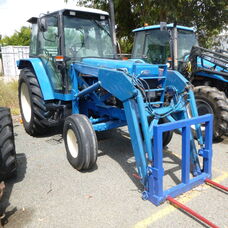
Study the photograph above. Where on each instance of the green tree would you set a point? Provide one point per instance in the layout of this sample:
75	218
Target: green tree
19	38
209	17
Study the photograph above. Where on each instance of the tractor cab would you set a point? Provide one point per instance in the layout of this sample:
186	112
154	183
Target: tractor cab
66	36
158	44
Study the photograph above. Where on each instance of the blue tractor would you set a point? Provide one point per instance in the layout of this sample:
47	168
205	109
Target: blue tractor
74	78
207	70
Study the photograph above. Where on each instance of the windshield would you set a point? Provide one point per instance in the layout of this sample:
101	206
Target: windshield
185	39
156	48
87	38
153	46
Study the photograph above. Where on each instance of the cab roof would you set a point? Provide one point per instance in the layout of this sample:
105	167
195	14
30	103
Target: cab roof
84	9
33	20
151	27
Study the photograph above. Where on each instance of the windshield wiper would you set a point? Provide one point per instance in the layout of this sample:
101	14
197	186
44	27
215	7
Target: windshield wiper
100	26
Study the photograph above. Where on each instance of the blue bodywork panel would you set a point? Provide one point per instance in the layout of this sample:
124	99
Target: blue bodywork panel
132	66
150	27
111	64
63	97
116	83
41	75
213	76
125	65
174	78
44	81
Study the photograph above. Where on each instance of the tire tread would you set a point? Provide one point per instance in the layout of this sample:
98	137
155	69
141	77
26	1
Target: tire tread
7	145
220	103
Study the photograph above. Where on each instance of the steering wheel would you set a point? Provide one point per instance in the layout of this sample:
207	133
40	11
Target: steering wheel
74	49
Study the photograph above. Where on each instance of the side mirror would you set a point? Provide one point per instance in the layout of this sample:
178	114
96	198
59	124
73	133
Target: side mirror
42	23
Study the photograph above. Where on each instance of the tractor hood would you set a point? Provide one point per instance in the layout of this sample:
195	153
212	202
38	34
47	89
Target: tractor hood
128	66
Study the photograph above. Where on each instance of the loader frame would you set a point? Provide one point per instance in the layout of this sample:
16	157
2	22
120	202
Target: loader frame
148	155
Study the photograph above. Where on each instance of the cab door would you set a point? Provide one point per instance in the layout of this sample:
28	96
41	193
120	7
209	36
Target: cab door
48	47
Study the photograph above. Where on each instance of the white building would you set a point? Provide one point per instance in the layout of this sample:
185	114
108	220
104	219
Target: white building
10	54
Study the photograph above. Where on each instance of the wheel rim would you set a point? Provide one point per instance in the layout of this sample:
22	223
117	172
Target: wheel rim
26	102
72	143
203	107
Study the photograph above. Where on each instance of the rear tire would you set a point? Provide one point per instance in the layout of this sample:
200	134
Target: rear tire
31	101
211	100
7	146
80	142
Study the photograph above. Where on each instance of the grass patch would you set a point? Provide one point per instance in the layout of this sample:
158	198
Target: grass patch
9	96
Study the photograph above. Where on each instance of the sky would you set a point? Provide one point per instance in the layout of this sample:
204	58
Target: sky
15	13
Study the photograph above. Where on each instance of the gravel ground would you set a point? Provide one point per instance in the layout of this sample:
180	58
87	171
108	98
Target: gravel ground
48	192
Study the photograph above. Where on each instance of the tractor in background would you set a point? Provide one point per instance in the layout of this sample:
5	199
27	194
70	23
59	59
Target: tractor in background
74	78
177	46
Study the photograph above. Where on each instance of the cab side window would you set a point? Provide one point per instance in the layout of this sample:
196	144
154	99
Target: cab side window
48	41
33	44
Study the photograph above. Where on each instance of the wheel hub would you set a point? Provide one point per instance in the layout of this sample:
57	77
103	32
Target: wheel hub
72	143
26	102
203	107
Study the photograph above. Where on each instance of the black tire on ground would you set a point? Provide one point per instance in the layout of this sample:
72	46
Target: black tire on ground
80	142
167	136
211	100
7	146
32	105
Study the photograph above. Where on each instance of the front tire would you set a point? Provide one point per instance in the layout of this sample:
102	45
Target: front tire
7	146
211	100
167	135
31	101
80	142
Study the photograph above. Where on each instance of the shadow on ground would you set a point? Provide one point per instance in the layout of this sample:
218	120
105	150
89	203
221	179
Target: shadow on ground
112	142
8	211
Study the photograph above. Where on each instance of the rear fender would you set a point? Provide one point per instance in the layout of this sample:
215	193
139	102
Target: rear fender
42	77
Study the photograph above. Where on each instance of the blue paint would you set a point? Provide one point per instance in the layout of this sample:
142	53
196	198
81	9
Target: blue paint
174	78
150	27
155	192
213	76
103	126
205	63
88	90
63	97
41	75
116	83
